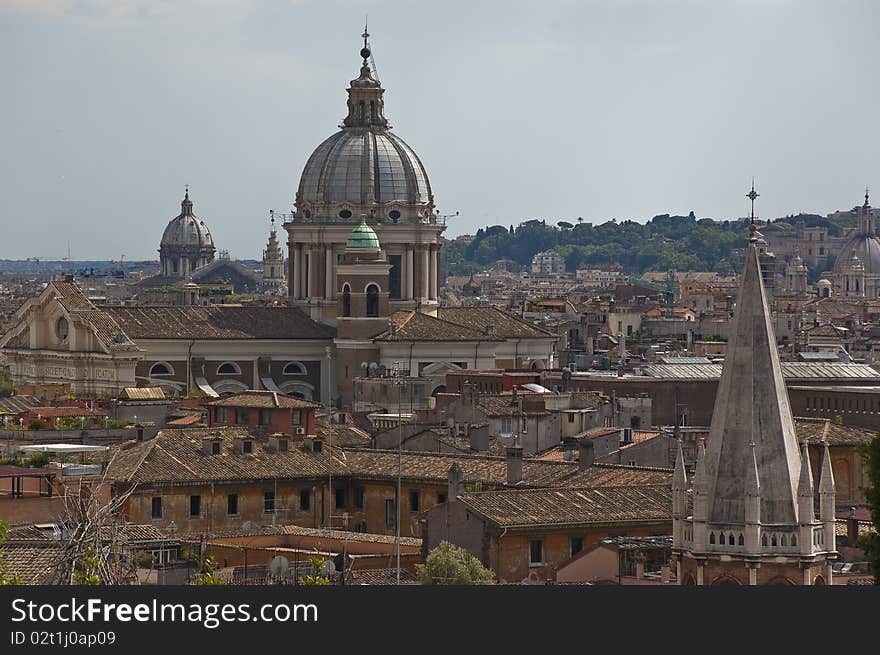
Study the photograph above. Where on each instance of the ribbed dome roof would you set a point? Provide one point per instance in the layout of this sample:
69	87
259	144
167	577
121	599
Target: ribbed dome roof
864	246
363	237
364	168
187	229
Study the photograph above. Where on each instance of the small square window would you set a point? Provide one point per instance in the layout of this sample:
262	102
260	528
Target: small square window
305	498
359	497
441	498
414	501
215	448
340	498
195	506
265	416
282	445
232	504
157	507
577	545
247	446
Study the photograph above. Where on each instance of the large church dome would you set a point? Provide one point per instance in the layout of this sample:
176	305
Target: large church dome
364	168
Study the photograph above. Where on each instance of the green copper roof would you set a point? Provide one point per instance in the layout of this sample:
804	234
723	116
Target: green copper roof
363	237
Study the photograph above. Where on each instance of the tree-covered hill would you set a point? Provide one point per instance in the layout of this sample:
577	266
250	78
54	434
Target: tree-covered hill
683	243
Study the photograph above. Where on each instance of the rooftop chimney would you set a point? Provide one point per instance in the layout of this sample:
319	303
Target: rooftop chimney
479	437
514	462
587	454
455	482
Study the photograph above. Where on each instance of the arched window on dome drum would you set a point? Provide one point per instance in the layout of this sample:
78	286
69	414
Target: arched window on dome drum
294	368
346	300
160	368
372	300
763	539
741	540
730	540
711	537
228	368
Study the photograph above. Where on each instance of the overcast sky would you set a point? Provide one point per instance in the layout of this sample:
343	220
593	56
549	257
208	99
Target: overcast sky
552	109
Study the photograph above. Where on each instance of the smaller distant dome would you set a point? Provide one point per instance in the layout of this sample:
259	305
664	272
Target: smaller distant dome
363	237
823	283
187	229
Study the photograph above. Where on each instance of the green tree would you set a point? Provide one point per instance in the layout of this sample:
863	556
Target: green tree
207	574
448	564
870	542
316	578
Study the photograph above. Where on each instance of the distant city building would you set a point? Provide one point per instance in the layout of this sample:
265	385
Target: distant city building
548	262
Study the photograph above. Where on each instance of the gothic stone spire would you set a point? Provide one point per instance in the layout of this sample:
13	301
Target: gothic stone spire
752	406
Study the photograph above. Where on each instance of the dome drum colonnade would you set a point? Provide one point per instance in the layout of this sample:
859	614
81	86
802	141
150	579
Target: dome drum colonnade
364	172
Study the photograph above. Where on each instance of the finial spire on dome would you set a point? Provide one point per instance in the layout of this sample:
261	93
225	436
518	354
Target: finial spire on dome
186	205
752	195
365	104
866	198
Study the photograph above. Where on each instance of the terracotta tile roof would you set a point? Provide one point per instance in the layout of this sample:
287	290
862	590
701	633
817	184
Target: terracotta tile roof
383	577
106	329
34	564
618	475
434	467
557	507
269	399
176	456
343	436
505	325
70	296
813	430
217	322
415	326
186	421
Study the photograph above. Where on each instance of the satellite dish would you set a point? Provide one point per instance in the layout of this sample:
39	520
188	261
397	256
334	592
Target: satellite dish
328	568
364	365
279	566
373	366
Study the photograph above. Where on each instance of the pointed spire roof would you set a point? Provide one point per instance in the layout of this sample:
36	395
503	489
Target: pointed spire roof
805	484
679	476
752	406
826	478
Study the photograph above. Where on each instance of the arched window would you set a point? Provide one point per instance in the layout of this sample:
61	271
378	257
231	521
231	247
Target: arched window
711	537
730	539
294	368
346	300
372	300
783	541
794	540
228	368
763	539
773	540
741	540
161	368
